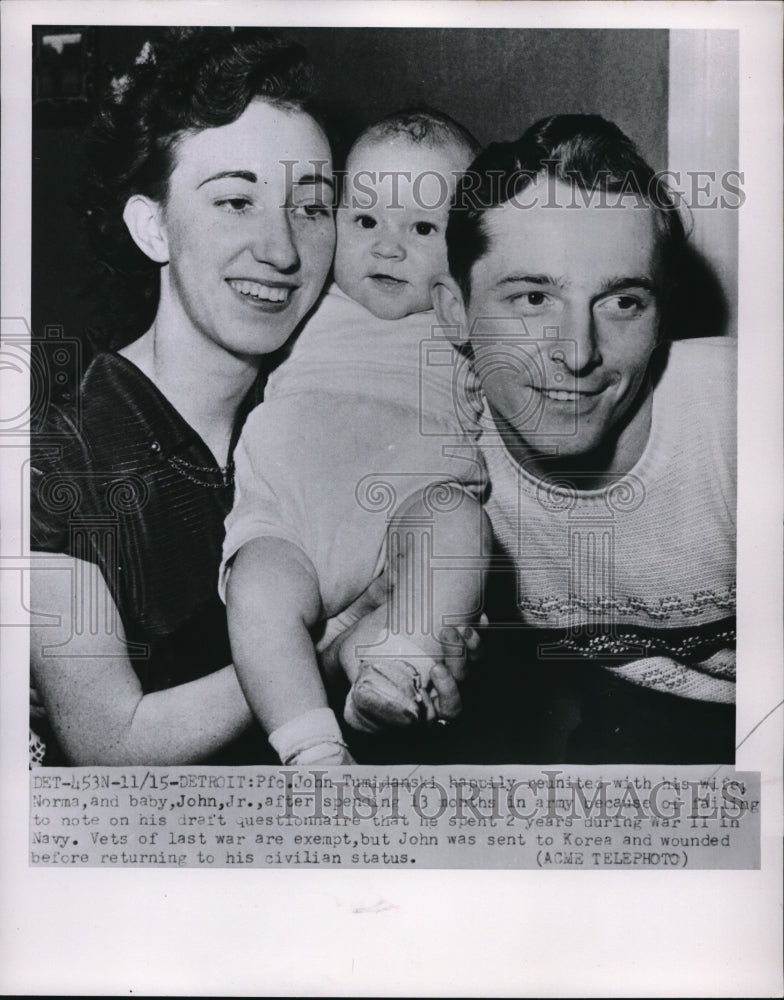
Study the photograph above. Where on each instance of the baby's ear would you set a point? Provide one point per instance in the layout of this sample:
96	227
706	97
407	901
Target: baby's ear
449	307
143	217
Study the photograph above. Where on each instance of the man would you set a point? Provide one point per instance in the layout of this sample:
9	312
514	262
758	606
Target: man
610	451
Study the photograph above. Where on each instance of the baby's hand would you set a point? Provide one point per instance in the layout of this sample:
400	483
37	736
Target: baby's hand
395	690
388	694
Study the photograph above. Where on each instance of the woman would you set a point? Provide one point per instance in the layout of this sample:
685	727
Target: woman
212	203
222	179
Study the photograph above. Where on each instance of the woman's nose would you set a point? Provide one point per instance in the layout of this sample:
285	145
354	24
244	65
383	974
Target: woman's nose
274	242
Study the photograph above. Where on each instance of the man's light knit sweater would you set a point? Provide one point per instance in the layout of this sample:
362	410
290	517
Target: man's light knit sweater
637	576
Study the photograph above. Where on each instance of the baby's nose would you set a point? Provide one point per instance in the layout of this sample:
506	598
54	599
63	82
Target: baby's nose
388	246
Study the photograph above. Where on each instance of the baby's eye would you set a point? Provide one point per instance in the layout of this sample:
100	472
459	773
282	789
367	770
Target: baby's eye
314	211
424	228
235	206
366	221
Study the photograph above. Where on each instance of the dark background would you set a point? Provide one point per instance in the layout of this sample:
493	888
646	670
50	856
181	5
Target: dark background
495	81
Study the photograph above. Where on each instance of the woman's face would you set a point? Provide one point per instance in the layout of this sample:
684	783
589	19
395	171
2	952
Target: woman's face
248	228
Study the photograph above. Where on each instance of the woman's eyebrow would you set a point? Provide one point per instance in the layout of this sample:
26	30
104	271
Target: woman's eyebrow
243	175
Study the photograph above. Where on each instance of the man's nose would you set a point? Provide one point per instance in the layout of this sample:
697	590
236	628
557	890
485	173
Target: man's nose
577	349
274	242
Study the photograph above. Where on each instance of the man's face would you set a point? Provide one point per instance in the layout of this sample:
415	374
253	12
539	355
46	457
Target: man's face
392	224
563	318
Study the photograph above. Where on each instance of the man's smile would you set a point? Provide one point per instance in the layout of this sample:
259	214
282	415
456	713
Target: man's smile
566	395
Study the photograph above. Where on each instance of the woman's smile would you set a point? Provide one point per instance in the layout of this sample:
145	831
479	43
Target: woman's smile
257	294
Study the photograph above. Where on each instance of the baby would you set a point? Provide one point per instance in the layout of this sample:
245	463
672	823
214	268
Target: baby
357	461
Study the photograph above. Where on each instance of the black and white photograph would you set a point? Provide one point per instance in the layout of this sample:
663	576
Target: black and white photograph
509	464
391	483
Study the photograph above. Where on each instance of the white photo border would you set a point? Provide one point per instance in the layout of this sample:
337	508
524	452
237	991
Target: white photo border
620	933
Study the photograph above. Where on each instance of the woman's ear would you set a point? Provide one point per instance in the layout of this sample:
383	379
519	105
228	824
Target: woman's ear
142	216
450	308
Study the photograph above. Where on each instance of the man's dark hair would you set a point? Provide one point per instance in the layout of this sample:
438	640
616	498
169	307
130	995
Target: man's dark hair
584	151
184	80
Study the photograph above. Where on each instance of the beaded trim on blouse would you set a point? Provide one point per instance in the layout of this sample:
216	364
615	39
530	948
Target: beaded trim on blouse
187	469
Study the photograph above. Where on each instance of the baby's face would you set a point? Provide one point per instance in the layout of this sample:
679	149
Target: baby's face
391	223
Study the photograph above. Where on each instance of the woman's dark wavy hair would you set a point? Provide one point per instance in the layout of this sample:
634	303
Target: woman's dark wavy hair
184	80
585	151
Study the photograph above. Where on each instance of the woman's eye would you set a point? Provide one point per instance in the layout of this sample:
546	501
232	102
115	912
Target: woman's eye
366	222
234	205
424	228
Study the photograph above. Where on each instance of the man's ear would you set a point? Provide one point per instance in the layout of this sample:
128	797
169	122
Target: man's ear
450	307
143	217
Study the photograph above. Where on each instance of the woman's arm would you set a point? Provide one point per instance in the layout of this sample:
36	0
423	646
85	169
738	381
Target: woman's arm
93	698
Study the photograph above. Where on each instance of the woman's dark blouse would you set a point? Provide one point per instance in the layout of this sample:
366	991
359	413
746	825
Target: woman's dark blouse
120	480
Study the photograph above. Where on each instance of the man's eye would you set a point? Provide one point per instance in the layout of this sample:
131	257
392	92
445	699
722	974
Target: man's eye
528	300
532	298
234	205
366	221
424	228
624	305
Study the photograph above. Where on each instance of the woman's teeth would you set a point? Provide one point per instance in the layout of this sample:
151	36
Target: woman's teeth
561	395
258	291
